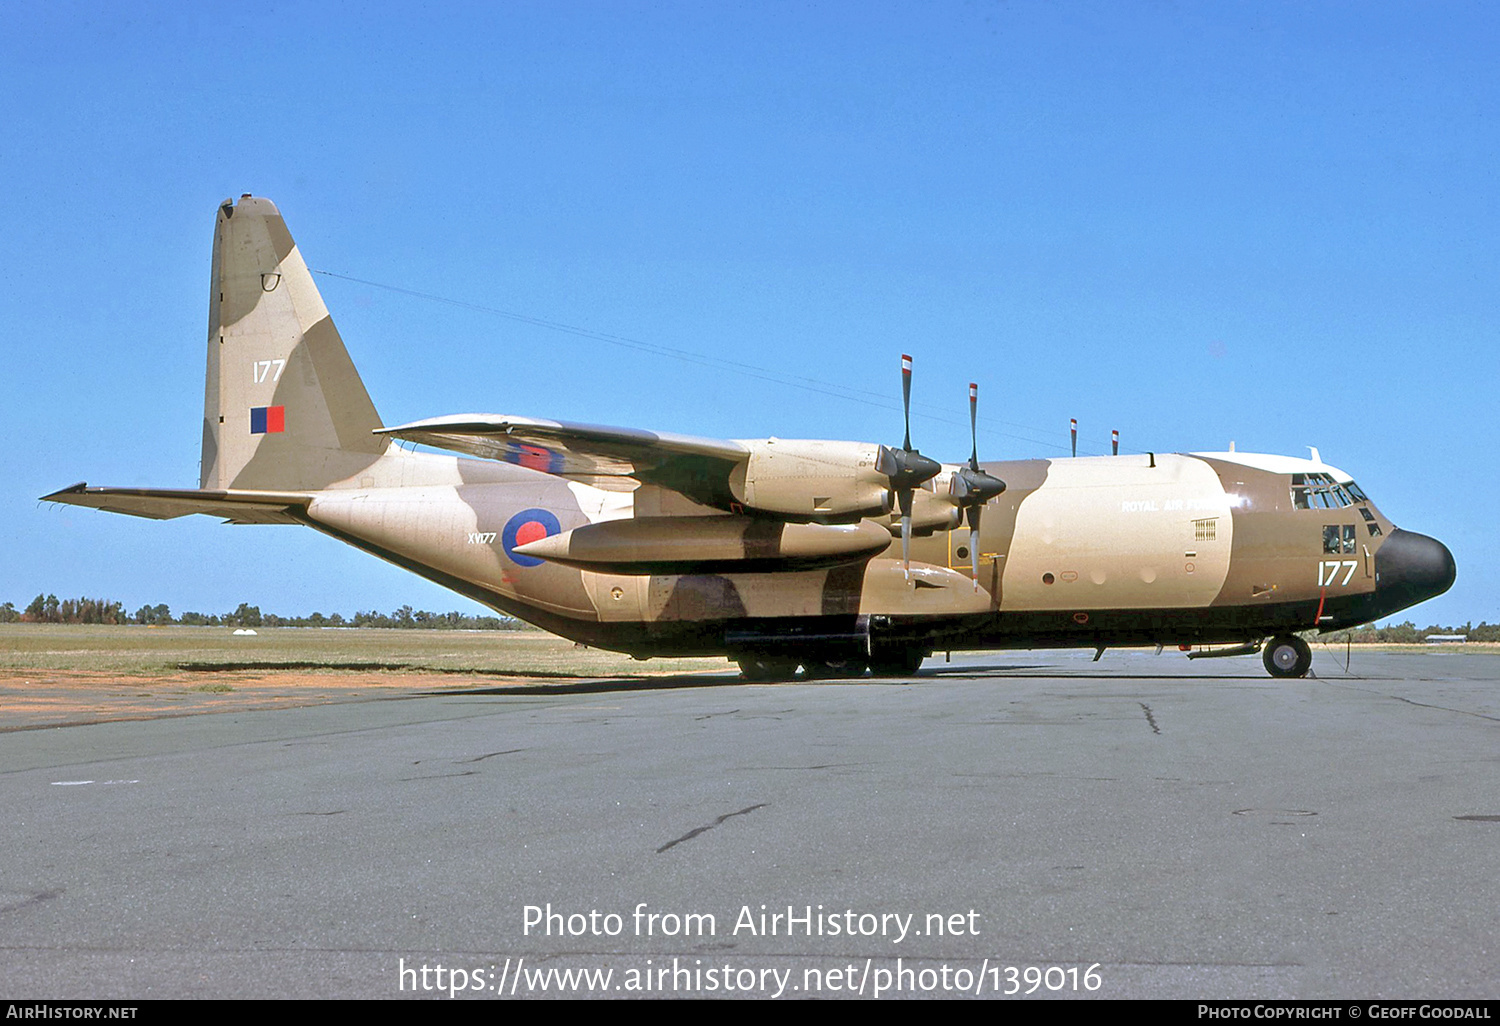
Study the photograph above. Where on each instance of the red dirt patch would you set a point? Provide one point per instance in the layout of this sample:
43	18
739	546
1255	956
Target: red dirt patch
31	699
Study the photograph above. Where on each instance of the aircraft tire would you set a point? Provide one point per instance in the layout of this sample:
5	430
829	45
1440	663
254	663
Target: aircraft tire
834	669
767	669
1287	655
896	662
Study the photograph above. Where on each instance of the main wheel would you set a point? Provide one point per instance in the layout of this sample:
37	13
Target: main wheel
834	669
1287	655
767	669
901	661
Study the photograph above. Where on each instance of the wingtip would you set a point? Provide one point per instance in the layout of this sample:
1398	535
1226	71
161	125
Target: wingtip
72	489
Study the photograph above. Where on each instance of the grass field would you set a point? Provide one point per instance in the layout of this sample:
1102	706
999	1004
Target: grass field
152	651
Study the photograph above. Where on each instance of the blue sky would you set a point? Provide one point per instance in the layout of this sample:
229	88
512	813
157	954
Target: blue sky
1194	222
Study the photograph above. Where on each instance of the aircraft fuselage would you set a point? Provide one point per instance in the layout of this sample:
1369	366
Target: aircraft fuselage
1096	551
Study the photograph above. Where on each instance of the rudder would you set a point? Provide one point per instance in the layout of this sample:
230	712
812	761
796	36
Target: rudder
284	407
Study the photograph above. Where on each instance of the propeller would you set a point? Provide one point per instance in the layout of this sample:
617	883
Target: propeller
970	488
906	468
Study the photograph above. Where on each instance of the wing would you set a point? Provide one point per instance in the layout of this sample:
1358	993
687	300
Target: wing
699	468
238	507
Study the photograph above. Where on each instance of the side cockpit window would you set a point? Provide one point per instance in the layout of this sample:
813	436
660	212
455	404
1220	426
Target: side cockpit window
1321	491
1339	538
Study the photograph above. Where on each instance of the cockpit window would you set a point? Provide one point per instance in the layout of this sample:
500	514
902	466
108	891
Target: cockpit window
1321	491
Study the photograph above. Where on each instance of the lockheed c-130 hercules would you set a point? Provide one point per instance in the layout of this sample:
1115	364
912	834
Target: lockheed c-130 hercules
780	554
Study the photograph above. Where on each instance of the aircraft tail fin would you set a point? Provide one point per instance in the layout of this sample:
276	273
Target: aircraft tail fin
284	408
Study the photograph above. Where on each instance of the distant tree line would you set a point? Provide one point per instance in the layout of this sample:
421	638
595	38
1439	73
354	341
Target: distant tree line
1407	633
49	609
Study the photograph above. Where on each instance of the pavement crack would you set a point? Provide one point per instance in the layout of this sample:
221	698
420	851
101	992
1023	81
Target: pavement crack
704	829
491	755
1444	708
1151	719
1422	705
36	899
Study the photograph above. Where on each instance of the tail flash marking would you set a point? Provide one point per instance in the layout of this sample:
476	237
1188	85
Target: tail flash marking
267	420
276	360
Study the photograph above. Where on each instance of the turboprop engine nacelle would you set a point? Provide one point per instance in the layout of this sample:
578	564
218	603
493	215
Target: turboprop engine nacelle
812	479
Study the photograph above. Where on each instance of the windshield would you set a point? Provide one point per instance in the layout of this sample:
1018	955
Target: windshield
1321	491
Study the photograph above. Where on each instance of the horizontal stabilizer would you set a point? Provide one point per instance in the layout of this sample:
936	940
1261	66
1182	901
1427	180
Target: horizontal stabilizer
238	506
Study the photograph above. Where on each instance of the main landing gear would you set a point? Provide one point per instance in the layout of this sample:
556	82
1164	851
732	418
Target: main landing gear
1287	655
758	668
885	661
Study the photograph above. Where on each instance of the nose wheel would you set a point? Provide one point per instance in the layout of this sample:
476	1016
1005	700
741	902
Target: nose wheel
1287	655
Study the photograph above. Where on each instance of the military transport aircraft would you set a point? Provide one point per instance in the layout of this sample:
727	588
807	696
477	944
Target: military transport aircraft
779	553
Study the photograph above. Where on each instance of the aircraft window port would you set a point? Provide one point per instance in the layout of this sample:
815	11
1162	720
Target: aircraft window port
1320	491
1374	529
1048	578
1349	535
1369	517
1206	530
962	552
1332	541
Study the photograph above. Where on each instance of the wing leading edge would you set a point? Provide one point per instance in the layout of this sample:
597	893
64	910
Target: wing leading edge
698	468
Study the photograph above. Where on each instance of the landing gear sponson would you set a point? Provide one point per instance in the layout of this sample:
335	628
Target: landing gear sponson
1285	655
883	661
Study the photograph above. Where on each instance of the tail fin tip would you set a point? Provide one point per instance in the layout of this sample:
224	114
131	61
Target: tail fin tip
284	406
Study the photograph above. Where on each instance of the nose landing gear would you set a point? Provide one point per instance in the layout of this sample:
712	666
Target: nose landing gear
1287	655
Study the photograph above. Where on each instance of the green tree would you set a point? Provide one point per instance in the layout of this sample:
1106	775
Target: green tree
245	616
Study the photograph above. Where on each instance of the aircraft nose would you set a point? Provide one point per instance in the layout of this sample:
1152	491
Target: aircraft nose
1411	568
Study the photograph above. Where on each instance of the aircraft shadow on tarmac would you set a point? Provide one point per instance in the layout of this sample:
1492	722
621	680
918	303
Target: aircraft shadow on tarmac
687	681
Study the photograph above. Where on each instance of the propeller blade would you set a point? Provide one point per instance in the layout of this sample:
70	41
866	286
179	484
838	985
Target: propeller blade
973	513
905	468
970	487
906	398
906	544
974	424
904	496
